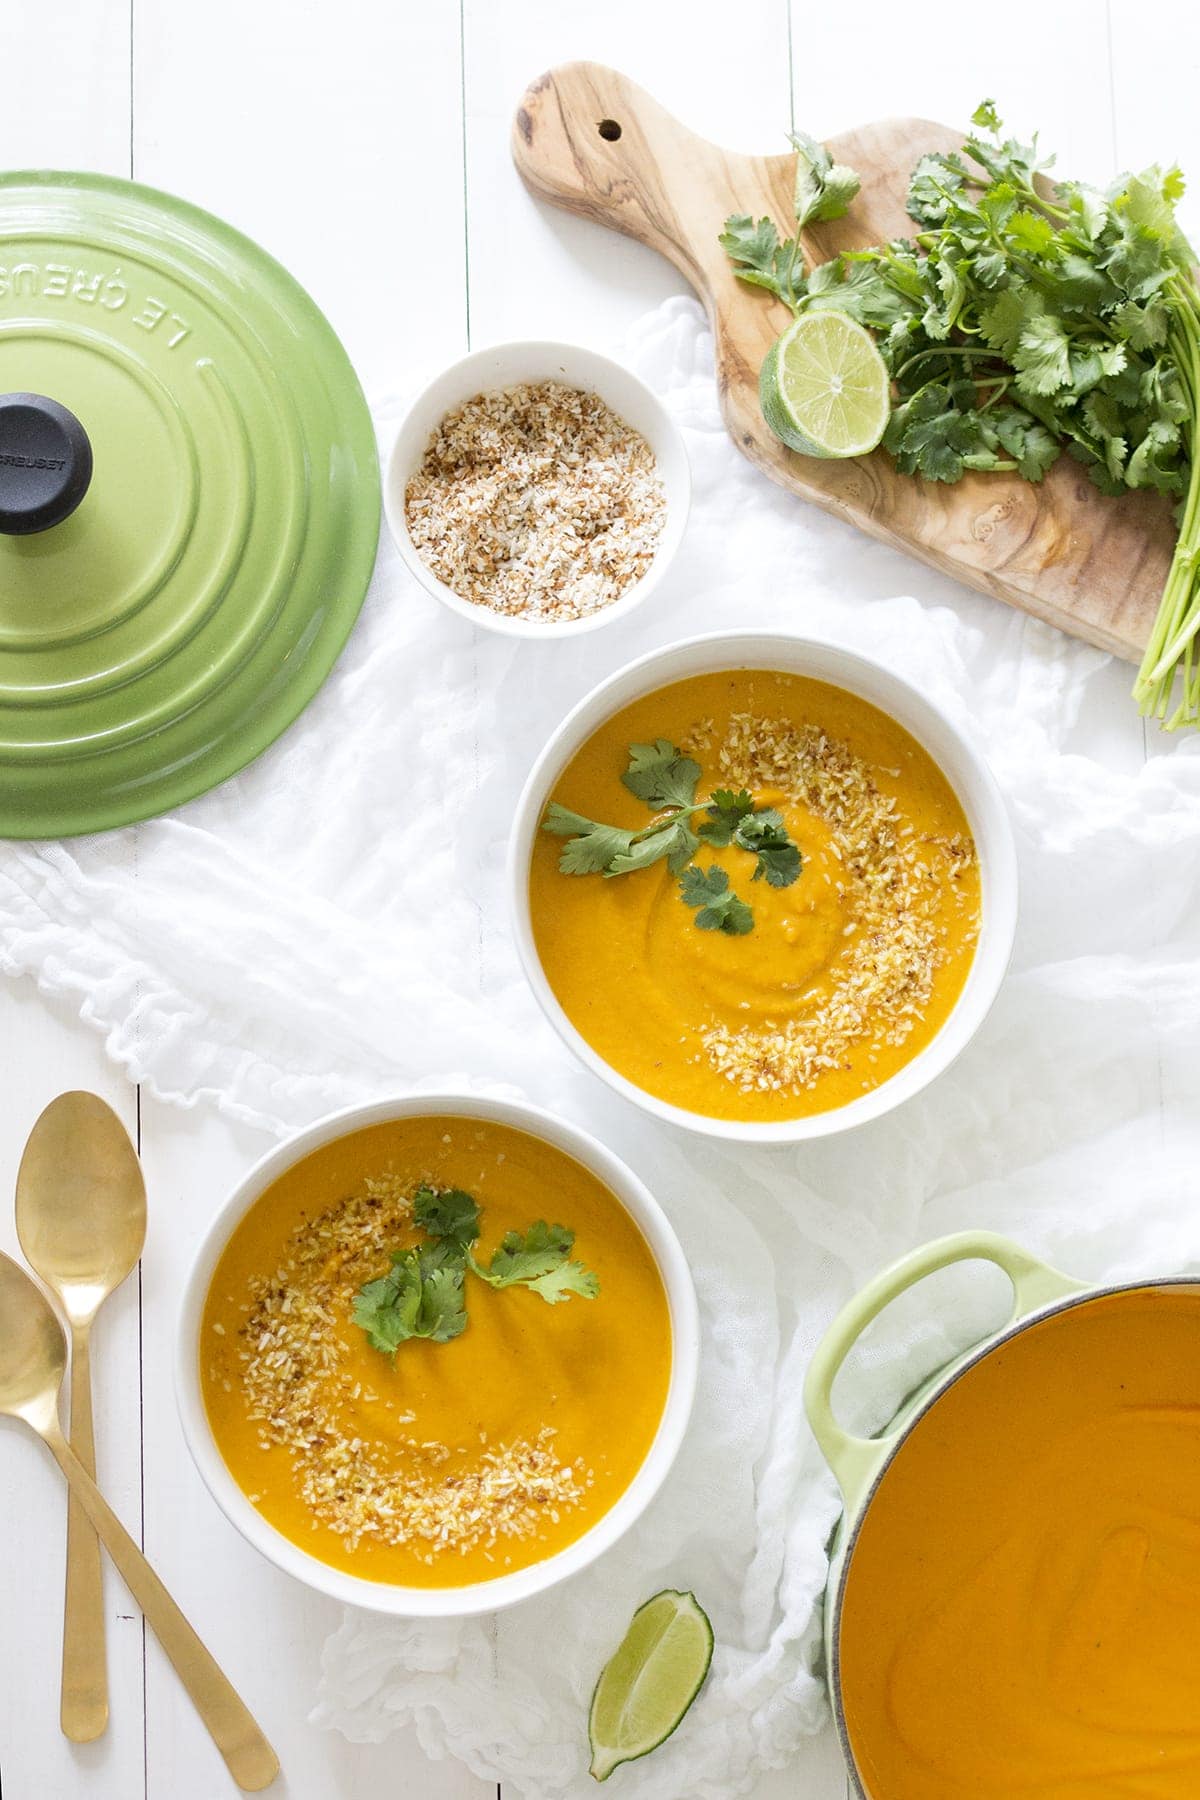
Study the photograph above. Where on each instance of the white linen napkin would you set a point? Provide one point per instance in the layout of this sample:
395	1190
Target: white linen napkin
331	925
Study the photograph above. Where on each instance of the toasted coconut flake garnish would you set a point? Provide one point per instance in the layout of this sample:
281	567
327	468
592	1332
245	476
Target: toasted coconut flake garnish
398	1490
893	884
537	501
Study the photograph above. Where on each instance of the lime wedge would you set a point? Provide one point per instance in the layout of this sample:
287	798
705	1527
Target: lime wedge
824	387
648	1684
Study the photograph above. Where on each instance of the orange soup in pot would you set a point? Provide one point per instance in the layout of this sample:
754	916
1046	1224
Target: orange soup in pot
1021	1613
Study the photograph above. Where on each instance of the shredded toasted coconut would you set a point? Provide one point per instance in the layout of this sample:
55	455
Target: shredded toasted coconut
537	501
396	1489
893	884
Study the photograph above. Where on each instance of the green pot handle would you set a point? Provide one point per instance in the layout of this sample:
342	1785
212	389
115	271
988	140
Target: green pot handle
855	1460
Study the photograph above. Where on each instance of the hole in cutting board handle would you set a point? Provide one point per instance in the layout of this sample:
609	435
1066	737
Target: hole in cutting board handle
609	129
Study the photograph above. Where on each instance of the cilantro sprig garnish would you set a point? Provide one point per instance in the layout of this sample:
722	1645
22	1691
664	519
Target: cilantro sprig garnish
1022	319
540	1259
447	1214
719	907
824	190
666	779
735	819
423	1295
661	775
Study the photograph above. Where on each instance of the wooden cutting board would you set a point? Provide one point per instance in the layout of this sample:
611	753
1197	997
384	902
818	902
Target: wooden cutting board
588	139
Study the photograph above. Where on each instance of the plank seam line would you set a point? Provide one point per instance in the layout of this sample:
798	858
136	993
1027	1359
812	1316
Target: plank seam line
462	103
137	1116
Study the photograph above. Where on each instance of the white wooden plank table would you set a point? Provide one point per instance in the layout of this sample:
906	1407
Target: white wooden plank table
365	144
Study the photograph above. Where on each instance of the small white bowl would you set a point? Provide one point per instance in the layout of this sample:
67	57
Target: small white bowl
958	760
505	1590
505	365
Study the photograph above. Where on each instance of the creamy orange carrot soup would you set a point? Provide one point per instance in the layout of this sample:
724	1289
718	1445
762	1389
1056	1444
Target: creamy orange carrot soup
1022	1609
782	950
464	1410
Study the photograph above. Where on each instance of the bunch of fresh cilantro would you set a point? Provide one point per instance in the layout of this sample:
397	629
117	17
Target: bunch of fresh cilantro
423	1295
1022	319
666	780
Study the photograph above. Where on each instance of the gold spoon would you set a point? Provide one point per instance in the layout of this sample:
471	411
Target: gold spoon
81	1219
33	1360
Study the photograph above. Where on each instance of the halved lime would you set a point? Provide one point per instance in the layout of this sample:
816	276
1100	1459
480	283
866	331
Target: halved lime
824	387
650	1681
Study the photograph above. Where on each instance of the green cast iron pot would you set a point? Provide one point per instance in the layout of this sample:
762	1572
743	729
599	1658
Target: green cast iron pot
861	1463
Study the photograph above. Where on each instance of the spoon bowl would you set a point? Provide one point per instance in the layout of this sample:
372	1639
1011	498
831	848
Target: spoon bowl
81	1203
33	1350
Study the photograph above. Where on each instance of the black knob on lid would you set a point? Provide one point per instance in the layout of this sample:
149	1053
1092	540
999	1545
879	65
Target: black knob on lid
45	463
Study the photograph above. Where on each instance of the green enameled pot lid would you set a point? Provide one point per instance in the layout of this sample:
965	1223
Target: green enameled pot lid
167	612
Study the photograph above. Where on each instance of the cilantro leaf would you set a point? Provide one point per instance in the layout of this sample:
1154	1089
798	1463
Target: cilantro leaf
746	242
936	185
596	849
661	775
824	189
387	1311
1032	232
420	1297
1075	281
724	814
592	848
859	287
761	260
1144	326
1148	200
522	1257
443	1312
734	819
930	435
1043	356
986	117
1088	209
1010	161
559	1284
1155	462
765	835
451	1214
720	908
946	298
1003	320
1032	447
539	1259
674	840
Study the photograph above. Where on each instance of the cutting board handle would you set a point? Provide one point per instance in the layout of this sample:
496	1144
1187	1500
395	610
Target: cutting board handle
588	139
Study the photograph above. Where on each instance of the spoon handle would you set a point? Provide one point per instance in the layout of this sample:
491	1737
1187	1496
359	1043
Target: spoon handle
84	1707
252	1762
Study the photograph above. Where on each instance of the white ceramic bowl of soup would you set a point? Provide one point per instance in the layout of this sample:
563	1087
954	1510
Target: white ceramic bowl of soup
506	1588
505	366
949	749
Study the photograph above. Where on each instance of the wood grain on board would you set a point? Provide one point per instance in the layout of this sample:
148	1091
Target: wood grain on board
588	139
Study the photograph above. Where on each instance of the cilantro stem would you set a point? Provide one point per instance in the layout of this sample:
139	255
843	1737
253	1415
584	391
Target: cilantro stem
1178	619
969	350
791	296
669	816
